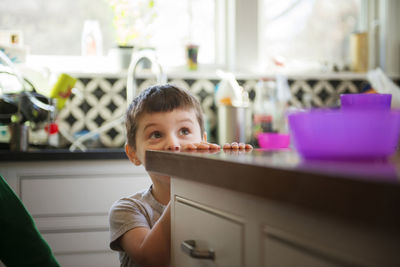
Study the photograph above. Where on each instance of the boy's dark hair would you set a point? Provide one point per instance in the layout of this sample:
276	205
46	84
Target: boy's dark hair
159	98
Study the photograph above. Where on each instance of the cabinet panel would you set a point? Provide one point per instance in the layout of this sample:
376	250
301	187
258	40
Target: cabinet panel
278	253
107	259
82	249
211	231
60	195
84	242
70	200
281	249
72	223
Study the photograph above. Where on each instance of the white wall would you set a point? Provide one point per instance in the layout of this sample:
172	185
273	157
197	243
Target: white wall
392	45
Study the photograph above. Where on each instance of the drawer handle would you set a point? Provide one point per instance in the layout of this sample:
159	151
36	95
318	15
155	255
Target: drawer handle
189	247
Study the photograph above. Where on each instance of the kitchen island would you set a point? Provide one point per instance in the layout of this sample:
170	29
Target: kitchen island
271	208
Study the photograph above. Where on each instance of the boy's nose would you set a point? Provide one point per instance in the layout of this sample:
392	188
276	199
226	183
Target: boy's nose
172	144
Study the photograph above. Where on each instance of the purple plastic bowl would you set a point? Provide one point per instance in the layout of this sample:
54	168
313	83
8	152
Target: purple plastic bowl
338	134
366	101
273	140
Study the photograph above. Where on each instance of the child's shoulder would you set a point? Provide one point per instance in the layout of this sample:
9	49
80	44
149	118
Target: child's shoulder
142	202
134	199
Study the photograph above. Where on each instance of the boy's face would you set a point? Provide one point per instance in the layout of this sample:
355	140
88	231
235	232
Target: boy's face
164	131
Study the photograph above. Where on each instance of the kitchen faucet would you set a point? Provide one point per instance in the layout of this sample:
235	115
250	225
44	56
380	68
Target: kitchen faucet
137	58
131	91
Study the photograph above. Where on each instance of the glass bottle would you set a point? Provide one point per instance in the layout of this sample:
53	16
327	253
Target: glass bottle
264	108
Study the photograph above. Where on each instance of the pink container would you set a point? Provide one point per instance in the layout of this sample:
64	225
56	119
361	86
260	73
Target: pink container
365	101
273	140
339	134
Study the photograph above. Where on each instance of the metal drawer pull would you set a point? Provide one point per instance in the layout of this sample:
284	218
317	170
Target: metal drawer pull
189	247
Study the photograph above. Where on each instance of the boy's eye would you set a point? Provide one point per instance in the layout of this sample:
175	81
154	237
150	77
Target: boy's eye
184	131
155	135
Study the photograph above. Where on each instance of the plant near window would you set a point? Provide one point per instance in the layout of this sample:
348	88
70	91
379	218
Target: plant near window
133	21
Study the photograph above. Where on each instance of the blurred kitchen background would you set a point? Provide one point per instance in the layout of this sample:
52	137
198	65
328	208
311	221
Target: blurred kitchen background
90	57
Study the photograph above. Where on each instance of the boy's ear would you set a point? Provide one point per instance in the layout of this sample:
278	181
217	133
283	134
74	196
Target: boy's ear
205	137
130	152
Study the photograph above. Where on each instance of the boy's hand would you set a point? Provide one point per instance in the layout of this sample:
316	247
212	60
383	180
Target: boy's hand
210	146
201	146
237	146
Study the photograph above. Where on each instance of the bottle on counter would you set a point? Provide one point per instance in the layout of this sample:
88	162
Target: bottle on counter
92	39
283	96
264	108
232	110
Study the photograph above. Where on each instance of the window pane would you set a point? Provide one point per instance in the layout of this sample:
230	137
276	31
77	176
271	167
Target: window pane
55	27
306	34
181	22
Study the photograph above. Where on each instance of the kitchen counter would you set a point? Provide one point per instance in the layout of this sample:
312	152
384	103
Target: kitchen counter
367	193
62	154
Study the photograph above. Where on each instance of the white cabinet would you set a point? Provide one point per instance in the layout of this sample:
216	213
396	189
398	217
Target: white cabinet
281	250
244	230
70	200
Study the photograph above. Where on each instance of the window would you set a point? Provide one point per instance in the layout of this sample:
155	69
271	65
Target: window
239	35
307	34
182	22
55	27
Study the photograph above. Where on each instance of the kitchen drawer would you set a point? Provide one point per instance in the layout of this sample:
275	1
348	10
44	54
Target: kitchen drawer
211	230
82	249
280	249
64	195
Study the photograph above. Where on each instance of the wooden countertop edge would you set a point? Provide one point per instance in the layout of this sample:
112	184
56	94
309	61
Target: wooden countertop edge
366	202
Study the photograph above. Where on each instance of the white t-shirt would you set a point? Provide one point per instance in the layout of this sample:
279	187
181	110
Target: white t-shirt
139	210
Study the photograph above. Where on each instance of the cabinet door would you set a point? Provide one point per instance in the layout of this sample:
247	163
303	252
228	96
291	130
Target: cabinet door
281	249
212	231
65	195
83	249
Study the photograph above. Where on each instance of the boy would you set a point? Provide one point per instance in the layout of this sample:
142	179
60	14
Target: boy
162	117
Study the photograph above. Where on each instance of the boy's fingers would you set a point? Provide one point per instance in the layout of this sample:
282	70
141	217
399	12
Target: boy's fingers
189	147
248	146
202	145
240	146
207	146
214	146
